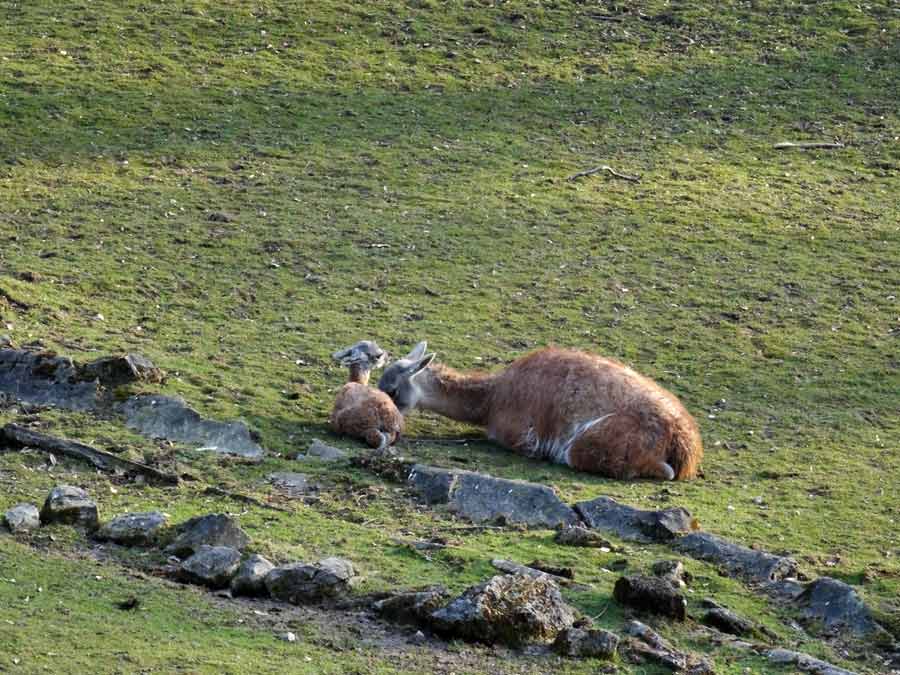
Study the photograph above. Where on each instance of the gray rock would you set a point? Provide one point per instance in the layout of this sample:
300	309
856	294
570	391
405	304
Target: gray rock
727	621
304	582
413	607
648	644
750	565
804	662
71	505
323	452
650	594
251	576
634	524
212	566
672	571
134	529
576	535
586	643
510	609
113	371
481	498
837	606
294	484
43	378
22	518
170	417
212	530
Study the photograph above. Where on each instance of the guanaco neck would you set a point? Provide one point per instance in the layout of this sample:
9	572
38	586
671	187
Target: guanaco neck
359	373
465	397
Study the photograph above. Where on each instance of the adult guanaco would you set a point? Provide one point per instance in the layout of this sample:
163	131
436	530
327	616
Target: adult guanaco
592	413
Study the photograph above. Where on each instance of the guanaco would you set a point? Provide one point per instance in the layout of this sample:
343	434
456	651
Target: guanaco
362	411
592	413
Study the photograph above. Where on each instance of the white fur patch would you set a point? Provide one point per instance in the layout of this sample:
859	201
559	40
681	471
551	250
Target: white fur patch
557	449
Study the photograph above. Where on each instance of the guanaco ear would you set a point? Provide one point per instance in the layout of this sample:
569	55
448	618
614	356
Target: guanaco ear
417	351
421	365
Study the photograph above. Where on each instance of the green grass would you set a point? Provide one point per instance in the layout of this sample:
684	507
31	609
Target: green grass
444	134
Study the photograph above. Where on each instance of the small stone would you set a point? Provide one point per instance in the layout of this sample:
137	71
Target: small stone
650	594
294	484
71	505
251	576
413	607
288	637
305	582
212	566
581	536
590	643
510	609
212	530
323	452
672	571
418	638
113	371
728	622
134	529
22	518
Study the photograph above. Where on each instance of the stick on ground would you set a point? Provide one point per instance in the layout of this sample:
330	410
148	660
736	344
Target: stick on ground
806	145
608	169
18	435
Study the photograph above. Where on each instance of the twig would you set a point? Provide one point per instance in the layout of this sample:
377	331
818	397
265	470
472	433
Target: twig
804	145
104	461
607	169
447	441
244	499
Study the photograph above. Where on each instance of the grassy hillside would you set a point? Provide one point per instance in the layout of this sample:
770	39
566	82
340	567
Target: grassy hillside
237	189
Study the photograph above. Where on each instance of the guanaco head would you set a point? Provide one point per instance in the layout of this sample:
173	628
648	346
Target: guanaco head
365	354
399	379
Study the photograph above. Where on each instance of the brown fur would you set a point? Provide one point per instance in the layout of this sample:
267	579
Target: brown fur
362	412
545	394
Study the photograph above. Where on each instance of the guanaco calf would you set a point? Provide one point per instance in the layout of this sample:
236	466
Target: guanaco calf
360	410
571	407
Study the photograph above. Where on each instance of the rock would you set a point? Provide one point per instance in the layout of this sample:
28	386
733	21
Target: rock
634	524
750	565
170	417
648	644
804	662
134	529
413	607
251	576
511	567
325	453
837	606
22	518
212	566
418	638
304	582
43	378
672	571
288	637
294	484
212	530
513	610
71	505
590	643
576	535
650	594
552	569
113	371
728	622
481	498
